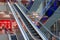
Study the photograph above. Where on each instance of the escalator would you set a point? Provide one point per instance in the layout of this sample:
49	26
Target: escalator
34	34
46	28
53	15
47	19
28	24
48	11
13	37
52	19
33	5
53	8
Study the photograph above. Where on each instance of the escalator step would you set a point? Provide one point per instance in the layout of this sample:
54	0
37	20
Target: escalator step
38	37
13	37
35	34
31	28
33	31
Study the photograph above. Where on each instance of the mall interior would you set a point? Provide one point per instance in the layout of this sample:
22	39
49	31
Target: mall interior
29	20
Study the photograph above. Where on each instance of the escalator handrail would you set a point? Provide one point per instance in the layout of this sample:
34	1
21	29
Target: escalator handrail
34	26
18	22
